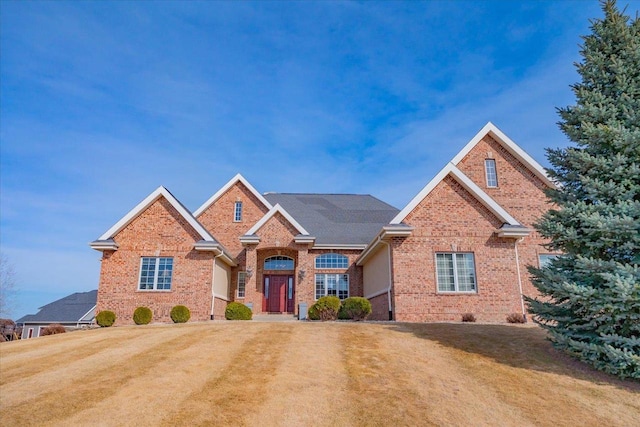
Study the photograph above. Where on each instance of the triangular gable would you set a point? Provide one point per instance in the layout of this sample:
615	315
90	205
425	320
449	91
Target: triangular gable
148	201
513	148
225	188
451	170
274	210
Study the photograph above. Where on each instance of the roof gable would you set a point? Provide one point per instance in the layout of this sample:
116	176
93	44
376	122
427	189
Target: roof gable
144	205
451	170
225	188
274	210
513	148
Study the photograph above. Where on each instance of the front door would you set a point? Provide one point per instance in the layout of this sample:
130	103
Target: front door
278	294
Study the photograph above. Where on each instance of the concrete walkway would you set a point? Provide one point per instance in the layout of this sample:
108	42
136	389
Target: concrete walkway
274	318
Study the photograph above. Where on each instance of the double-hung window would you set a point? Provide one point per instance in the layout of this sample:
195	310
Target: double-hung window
456	272
155	274
332	284
491	172
237	212
242	283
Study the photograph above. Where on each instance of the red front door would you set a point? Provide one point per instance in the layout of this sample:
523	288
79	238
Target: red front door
278	294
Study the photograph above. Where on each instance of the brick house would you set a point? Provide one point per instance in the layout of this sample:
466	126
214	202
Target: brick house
460	246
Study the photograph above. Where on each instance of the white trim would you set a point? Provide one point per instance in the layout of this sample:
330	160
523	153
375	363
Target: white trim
276	209
346	247
238	285
468	184
225	188
510	146
148	201
92	308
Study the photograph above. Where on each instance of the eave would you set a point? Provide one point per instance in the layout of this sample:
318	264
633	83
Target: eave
104	245
217	248
514	232
387	232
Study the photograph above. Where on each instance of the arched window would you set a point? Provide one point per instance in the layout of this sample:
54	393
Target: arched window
279	263
332	261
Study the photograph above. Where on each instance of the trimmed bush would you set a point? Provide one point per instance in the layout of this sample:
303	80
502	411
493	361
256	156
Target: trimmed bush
180	314
237	311
468	317
356	308
53	329
105	318
142	315
516	318
328	308
313	314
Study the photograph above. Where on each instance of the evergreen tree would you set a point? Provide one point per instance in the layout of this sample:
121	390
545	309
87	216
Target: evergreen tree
590	300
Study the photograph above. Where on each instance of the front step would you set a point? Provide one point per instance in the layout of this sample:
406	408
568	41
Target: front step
274	317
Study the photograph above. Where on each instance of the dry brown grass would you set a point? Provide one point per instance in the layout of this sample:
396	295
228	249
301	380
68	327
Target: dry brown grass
333	374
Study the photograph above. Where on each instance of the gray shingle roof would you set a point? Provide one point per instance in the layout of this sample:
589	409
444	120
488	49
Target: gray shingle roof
65	310
337	218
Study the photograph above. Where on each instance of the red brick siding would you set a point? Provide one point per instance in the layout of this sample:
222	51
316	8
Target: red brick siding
519	191
218	218
159	231
450	219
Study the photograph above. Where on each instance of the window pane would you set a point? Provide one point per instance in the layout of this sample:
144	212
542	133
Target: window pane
320	287
466	273
242	281
278	263
332	284
332	261
343	286
237	214
444	269
491	172
147	273
165	271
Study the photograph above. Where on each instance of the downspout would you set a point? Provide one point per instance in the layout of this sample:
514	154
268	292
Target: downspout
213	281
515	245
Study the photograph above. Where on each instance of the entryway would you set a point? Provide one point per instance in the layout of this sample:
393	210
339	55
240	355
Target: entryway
279	293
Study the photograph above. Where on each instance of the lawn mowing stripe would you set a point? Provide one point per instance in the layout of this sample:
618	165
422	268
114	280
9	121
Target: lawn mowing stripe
240	386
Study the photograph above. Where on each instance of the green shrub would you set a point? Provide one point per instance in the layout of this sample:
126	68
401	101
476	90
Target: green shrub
180	314
53	329
356	308
237	311
328	308
468	317
142	315
105	318
313	314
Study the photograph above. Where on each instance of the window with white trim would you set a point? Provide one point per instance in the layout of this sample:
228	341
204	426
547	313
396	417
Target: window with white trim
155	274
332	260
237	212
332	285
456	272
545	259
279	262
491	172
242	283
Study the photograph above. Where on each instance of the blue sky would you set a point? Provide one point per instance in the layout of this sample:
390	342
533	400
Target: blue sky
102	102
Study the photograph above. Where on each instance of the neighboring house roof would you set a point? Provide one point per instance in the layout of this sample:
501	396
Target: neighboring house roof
75	308
208	242
225	188
336	219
